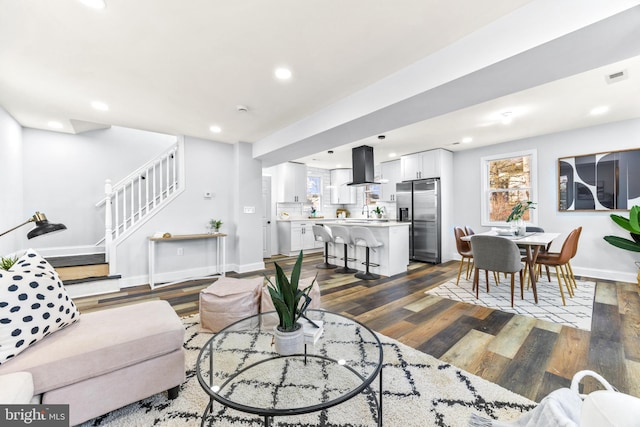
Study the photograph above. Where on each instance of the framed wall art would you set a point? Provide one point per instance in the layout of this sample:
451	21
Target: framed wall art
600	181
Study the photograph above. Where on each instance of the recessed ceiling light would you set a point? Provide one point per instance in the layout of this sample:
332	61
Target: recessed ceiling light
215	129
599	110
55	125
101	106
392	154
95	4
283	73
466	139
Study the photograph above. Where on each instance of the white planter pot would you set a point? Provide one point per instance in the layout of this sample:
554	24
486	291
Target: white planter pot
288	343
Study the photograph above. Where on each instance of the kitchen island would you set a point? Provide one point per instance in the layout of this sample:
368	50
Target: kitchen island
393	255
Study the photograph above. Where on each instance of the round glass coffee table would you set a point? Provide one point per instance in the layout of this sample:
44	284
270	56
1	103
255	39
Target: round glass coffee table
239	368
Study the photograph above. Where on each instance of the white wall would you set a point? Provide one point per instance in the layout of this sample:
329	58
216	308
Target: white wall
64	176
595	257
12	212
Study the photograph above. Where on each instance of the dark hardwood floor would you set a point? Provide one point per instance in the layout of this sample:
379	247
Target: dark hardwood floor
528	356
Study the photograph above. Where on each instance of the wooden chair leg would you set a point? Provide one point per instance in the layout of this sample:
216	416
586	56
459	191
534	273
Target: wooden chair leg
459	271
470	266
496	277
512	289
560	285
486	277
566	279
476	285
573	278
522	284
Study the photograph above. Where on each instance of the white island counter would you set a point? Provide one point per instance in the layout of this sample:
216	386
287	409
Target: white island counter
393	255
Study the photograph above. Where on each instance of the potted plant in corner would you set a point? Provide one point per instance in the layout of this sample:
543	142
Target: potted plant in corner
517	212
632	225
290	304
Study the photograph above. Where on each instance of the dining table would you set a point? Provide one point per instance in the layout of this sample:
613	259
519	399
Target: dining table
531	242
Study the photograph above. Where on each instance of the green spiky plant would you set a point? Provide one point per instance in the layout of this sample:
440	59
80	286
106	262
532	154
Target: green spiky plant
519	209
287	297
215	224
7	262
632	225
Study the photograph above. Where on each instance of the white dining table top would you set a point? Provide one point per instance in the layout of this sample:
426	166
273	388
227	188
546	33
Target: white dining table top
532	238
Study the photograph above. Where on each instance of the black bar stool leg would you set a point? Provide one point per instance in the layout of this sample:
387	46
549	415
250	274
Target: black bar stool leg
346	268
325	265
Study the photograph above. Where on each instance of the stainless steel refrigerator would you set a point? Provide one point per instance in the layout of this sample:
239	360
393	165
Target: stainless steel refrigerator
418	202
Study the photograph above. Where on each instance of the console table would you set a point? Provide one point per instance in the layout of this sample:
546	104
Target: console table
220	251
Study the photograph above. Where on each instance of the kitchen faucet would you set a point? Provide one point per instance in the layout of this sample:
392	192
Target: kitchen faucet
365	208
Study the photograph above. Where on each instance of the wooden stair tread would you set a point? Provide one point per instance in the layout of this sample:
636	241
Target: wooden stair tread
91	279
76	260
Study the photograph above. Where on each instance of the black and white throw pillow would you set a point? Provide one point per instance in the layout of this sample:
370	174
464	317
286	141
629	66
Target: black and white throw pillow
33	304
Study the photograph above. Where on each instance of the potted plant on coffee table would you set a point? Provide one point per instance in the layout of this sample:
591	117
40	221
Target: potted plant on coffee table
632	225
290	304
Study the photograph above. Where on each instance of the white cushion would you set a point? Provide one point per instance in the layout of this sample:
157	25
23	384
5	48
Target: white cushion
604	408
33	304
16	388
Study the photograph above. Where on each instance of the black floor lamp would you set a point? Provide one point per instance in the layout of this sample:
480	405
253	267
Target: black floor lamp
43	226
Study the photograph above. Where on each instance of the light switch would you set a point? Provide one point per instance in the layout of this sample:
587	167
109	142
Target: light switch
249	209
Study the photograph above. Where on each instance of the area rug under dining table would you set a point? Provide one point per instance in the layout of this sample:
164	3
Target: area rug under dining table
419	390
577	313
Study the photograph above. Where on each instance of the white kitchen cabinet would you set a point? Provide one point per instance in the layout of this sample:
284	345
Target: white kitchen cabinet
426	164
294	236
390	175
293	177
341	193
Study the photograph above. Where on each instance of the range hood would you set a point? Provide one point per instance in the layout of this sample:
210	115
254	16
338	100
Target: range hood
362	162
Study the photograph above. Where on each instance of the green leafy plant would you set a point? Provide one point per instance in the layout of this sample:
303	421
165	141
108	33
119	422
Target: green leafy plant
378	210
7	262
289	301
632	225
517	212
215	224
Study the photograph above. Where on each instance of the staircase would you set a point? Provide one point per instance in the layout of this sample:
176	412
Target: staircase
84	274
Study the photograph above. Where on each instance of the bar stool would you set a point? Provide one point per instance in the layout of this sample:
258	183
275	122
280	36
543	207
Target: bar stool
362	236
341	235
321	234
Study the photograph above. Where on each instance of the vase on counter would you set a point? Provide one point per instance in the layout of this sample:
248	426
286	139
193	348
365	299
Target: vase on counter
521	227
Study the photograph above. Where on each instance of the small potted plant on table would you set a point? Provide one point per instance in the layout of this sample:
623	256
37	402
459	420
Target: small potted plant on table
378	211
517	212
214	225
290	304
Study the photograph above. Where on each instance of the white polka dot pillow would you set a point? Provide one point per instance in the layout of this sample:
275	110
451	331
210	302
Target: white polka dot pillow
33	304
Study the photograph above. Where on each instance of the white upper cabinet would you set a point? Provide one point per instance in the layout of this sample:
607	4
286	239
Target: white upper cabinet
293	177
341	193
390	175
426	164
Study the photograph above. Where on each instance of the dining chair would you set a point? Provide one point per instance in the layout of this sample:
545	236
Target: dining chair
560	260
468	230
497	254
464	250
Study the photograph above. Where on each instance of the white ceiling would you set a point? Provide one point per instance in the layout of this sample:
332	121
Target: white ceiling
179	67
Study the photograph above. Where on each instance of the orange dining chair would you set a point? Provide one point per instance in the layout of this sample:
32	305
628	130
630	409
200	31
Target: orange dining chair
464	250
493	253
560	261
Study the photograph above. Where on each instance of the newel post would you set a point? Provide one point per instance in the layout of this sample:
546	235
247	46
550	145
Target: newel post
108	220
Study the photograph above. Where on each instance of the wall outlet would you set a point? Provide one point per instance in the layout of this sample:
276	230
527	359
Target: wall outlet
180	251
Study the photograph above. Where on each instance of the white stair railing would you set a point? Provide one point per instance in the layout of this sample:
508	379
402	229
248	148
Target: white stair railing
134	199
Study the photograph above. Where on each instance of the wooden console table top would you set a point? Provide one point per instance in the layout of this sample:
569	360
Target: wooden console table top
188	237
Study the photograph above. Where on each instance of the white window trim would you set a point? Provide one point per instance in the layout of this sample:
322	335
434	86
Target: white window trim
484	171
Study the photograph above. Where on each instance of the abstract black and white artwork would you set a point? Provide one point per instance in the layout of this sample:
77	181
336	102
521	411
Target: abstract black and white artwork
601	181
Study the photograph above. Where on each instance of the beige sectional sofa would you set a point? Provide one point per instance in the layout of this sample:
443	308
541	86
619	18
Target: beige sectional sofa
107	359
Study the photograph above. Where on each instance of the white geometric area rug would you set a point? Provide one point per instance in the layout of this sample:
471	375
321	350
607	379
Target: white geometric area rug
419	390
577	313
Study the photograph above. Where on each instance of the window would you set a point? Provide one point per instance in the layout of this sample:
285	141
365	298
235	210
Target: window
506	180
314	191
